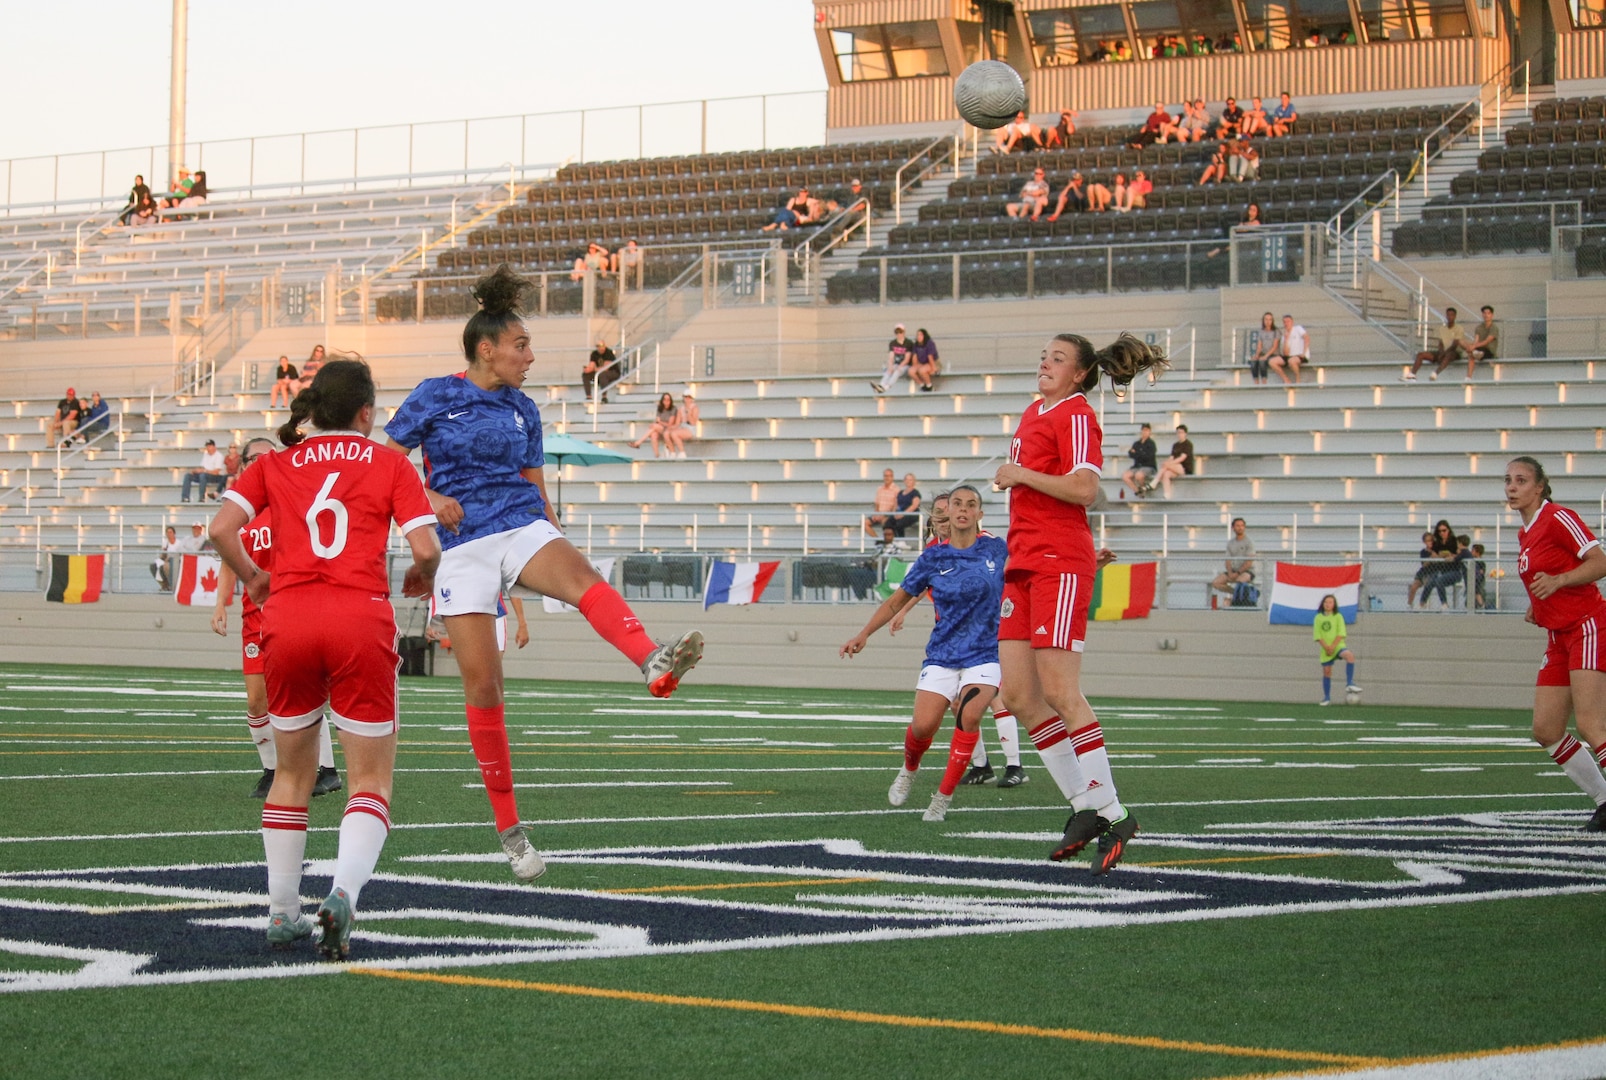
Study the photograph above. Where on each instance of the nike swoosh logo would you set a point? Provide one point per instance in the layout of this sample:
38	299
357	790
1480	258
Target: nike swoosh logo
947	571
455	415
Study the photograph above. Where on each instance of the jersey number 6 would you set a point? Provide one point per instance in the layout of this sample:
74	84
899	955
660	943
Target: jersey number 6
321	505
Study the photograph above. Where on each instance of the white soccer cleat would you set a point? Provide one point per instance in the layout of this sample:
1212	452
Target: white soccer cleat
902	784
938	810
1352	688
521	854
666	666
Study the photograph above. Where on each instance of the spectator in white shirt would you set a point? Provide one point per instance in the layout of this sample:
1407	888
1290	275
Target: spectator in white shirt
210	471
1292	353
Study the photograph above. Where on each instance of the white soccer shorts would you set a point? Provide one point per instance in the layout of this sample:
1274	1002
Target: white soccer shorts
947	681
473	576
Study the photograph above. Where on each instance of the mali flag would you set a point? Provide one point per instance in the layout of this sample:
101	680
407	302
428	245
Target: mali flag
1123	591
75	579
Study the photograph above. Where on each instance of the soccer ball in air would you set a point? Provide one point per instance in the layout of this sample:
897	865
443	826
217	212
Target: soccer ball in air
988	94
1352	697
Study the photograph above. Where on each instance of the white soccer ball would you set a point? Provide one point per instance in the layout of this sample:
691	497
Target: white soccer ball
1352	697
989	93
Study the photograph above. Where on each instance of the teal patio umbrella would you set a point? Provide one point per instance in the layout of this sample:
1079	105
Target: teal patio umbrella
568	450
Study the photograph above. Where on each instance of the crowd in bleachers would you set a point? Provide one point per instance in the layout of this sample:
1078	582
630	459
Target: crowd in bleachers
144	208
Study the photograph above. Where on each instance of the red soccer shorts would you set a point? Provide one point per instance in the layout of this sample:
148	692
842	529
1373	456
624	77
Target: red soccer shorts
1577	649
1047	609
331	645
253	657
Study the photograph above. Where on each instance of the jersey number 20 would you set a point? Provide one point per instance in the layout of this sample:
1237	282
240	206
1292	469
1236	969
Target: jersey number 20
323	504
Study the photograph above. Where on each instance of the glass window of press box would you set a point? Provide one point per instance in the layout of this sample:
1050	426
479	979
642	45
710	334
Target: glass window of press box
1588	14
890	51
1081	35
1414	20
1170	28
1293	24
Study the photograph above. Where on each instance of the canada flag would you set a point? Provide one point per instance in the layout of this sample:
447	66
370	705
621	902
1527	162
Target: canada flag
197	580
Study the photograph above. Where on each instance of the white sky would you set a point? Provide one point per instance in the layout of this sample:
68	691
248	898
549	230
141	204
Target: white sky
89	75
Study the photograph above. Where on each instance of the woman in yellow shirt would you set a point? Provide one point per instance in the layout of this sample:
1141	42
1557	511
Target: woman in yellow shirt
1329	632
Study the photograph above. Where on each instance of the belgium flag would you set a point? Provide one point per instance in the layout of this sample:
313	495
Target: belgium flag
76	579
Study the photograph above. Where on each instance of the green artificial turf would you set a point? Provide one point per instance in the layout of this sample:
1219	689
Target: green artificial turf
1223	792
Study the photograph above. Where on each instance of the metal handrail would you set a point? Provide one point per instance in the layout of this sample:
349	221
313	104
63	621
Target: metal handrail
915	158
1509	68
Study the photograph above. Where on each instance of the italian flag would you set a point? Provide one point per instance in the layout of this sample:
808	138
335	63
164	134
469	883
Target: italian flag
1123	591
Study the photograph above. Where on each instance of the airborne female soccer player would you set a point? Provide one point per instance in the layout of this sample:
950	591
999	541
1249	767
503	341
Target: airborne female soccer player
1559	561
966	579
1052	475
483	461
330	633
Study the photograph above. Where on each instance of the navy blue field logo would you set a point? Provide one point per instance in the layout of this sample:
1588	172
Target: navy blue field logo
129	926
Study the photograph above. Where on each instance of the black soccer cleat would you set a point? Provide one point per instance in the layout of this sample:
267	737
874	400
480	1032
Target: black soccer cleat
1014	776
1597	823
1113	839
328	780
264	784
978	774
1081	829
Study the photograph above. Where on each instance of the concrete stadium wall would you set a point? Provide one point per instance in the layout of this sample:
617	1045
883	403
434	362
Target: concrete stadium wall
1405	659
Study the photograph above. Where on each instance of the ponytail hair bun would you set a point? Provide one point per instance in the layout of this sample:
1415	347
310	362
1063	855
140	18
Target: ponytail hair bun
498	294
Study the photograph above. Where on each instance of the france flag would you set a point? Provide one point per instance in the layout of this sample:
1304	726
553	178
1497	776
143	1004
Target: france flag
1297	591
737	583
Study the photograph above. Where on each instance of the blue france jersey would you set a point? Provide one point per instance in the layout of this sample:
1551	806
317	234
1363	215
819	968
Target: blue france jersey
476	443
967	587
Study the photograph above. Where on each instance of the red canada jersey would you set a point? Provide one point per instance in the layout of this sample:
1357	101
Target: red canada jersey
1046	533
1555	542
333	497
257	537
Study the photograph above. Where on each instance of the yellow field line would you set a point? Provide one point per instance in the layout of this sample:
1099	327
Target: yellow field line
1245	858
852	1016
739	885
1432	1059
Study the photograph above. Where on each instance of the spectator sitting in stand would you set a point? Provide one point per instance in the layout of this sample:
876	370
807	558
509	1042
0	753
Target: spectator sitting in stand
62	425
1452	343
1118	193
1033	198
898	360
793	214
1140	477
310	367
1480	575
1426	569
198	191
137	196
1098	197
1200	46
686	428
886	501
159	568
1231	122
626	260
231	466
1154	128
1232	44
1267	342
1240	564
181	190
1180	463
1284	116
1292	352
1195	124
598	260
1018	136
196	542
667	417
96	418
1216	168
1122	52
209	471
908	501
1251	218
145	213
1314	40
286	381
924	362
1073	196
1256	122
1244	164
601	371
1136	195
1485	344
1058	137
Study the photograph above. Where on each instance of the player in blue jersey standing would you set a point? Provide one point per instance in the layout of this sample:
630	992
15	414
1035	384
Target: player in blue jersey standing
483	466
966	579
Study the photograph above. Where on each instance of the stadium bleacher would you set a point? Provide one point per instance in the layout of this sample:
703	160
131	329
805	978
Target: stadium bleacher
1509	203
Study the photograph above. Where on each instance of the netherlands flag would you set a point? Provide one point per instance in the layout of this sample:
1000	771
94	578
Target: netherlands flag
737	583
1297	591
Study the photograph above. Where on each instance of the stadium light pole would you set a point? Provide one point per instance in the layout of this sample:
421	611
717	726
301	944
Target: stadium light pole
175	106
